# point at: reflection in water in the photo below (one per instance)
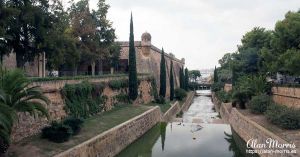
(163, 127)
(212, 140)
(189, 139)
(232, 145)
(237, 144)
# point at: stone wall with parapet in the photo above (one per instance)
(113, 141)
(287, 96)
(28, 125)
(248, 129)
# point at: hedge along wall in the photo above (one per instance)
(28, 126)
(288, 96)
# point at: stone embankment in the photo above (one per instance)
(176, 108)
(113, 141)
(248, 129)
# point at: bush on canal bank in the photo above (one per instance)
(59, 132)
(285, 117)
(180, 94)
(224, 96)
(260, 103)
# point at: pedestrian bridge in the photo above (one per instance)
(203, 93)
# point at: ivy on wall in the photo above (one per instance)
(82, 100)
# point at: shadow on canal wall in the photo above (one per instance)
(248, 129)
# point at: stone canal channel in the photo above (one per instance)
(200, 132)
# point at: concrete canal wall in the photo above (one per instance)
(113, 141)
(248, 129)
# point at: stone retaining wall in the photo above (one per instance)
(188, 101)
(287, 96)
(113, 141)
(172, 111)
(28, 126)
(248, 129)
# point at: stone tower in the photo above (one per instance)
(146, 44)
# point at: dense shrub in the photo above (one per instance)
(3, 146)
(118, 84)
(57, 132)
(161, 100)
(260, 103)
(74, 123)
(180, 94)
(287, 118)
(240, 97)
(223, 96)
(123, 98)
(80, 101)
(217, 86)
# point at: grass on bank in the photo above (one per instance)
(92, 126)
(163, 107)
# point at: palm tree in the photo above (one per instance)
(17, 95)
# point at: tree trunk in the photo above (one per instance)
(20, 61)
(93, 68)
(112, 69)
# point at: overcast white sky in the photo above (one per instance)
(201, 31)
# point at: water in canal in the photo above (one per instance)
(189, 138)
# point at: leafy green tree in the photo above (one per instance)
(114, 55)
(16, 95)
(171, 82)
(194, 74)
(94, 31)
(285, 44)
(26, 26)
(163, 76)
(60, 44)
(133, 86)
(186, 79)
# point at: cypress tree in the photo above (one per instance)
(133, 83)
(171, 82)
(186, 79)
(162, 89)
(215, 75)
(181, 77)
